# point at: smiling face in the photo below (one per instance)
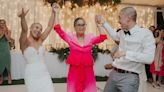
(80, 26)
(36, 30)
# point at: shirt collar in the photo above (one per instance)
(133, 29)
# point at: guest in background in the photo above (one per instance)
(152, 28)
(81, 75)
(157, 67)
(5, 58)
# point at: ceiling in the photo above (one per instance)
(145, 2)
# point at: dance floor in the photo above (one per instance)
(61, 87)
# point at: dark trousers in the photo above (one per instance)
(148, 73)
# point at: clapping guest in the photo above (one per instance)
(5, 58)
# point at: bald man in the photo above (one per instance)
(136, 48)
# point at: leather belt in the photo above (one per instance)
(123, 71)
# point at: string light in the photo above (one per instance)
(41, 13)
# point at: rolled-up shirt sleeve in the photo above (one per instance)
(114, 35)
(147, 54)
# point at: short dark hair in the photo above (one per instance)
(152, 26)
(79, 18)
(3, 20)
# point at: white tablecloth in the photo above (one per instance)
(56, 68)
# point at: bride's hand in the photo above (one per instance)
(56, 8)
(23, 13)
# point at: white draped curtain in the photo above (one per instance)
(41, 13)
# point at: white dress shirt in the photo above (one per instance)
(139, 47)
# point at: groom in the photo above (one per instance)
(136, 48)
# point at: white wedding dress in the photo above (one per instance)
(37, 77)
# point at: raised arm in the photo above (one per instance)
(102, 23)
(61, 33)
(54, 14)
(102, 36)
(23, 36)
(99, 25)
(99, 39)
(58, 28)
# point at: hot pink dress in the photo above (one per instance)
(81, 75)
(160, 71)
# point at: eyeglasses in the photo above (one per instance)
(82, 25)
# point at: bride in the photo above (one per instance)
(37, 78)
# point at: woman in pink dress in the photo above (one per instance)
(157, 67)
(81, 75)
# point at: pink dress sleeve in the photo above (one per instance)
(99, 39)
(61, 33)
